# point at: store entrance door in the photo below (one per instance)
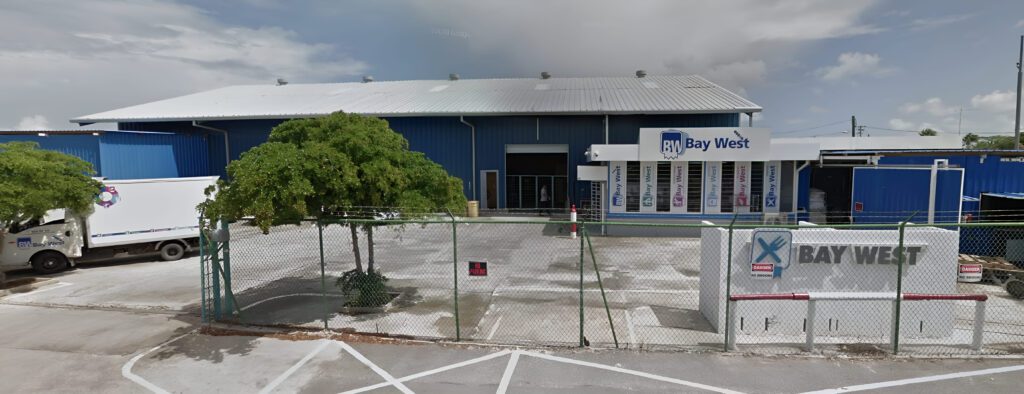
(536, 180)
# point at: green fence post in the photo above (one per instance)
(581, 293)
(203, 313)
(323, 276)
(215, 269)
(728, 281)
(455, 274)
(597, 271)
(899, 293)
(226, 263)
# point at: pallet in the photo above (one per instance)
(999, 271)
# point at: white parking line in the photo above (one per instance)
(281, 378)
(288, 295)
(494, 328)
(629, 325)
(384, 374)
(43, 290)
(432, 371)
(126, 369)
(631, 372)
(509, 370)
(935, 378)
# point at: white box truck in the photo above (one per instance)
(130, 217)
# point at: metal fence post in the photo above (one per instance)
(323, 274)
(597, 271)
(899, 292)
(203, 312)
(581, 293)
(728, 279)
(455, 274)
(215, 269)
(226, 262)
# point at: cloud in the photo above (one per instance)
(62, 65)
(818, 110)
(854, 64)
(932, 106)
(931, 23)
(997, 101)
(34, 122)
(734, 42)
(1020, 23)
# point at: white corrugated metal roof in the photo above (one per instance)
(607, 95)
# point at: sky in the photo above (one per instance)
(898, 66)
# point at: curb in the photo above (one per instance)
(27, 287)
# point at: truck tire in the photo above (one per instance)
(49, 262)
(171, 251)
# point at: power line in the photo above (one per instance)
(887, 129)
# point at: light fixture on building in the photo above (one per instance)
(641, 73)
(453, 77)
(281, 82)
(545, 75)
(367, 78)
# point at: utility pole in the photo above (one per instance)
(853, 126)
(1016, 119)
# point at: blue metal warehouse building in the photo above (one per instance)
(513, 141)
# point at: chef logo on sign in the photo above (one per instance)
(770, 252)
(673, 143)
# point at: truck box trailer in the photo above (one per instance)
(130, 217)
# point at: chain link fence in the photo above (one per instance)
(697, 287)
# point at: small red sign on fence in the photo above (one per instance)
(858, 206)
(477, 268)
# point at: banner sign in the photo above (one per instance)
(648, 185)
(772, 183)
(617, 186)
(770, 252)
(705, 143)
(679, 174)
(713, 184)
(741, 187)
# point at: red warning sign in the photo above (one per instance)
(477, 268)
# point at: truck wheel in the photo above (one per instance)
(49, 262)
(1015, 287)
(171, 251)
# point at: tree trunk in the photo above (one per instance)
(369, 249)
(355, 246)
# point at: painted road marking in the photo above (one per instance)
(126, 369)
(926, 379)
(631, 372)
(281, 378)
(43, 290)
(632, 331)
(384, 374)
(494, 328)
(509, 370)
(432, 371)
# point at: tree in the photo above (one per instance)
(970, 140)
(33, 181)
(340, 165)
(928, 133)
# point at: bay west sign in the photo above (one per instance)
(705, 144)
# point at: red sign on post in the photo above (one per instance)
(477, 268)
(858, 206)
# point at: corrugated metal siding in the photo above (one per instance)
(625, 129)
(991, 176)
(85, 147)
(445, 140)
(139, 156)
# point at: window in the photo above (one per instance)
(694, 184)
(756, 186)
(633, 186)
(664, 177)
(728, 180)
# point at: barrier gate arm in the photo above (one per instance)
(813, 297)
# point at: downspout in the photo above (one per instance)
(472, 139)
(606, 129)
(227, 146)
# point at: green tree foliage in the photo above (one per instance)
(340, 165)
(997, 142)
(970, 140)
(33, 181)
(928, 133)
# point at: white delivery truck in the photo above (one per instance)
(130, 217)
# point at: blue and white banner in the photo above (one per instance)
(617, 186)
(713, 187)
(648, 186)
(705, 144)
(772, 186)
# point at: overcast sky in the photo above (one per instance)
(900, 65)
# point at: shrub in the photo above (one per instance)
(364, 289)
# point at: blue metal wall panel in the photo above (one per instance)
(85, 147)
(991, 174)
(139, 155)
(446, 141)
(887, 195)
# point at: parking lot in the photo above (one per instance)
(134, 327)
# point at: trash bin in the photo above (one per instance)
(472, 209)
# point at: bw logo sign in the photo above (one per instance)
(673, 143)
(770, 251)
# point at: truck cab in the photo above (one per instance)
(45, 245)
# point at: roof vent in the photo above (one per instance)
(453, 77)
(545, 75)
(367, 78)
(281, 82)
(641, 73)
